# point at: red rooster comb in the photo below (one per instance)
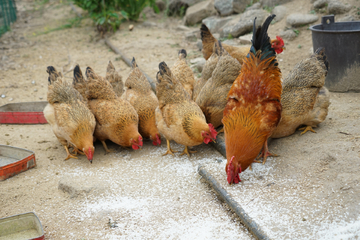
(278, 45)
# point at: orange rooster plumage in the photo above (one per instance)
(253, 109)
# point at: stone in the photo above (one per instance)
(280, 12)
(231, 42)
(199, 44)
(239, 6)
(80, 185)
(182, 28)
(320, 4)
(198, 63)
(335, 7)
(190, 37)
(246, 39)
(216, 35)
(348, 18)
(243, 23)
(273, 3)
(298, 19)
(254, 6)
(224, 7)
(180, 6)
(148, 24)
(199, 11)
(214, 23)
(288, 34)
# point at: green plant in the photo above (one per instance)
(267, 8)
(111, 13)
(296, 32)
(230, 36)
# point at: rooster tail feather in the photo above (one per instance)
(320, 55)
(261, 40)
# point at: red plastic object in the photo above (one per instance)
(26, 226)
(15, 160)
(23, 113)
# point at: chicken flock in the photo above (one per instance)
(241, 92)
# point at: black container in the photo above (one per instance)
(341, 41)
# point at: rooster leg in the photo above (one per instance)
(169, 150)
(187, 151)
(106, 148)
(307, 128)
(265, 153)
(68, 154)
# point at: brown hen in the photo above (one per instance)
(138, 92)
(116, 119)
(179, 118)
(67, 113)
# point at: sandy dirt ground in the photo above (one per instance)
(155, 197)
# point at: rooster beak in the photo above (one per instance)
(91, 161)
(213, 140)
(283, 47)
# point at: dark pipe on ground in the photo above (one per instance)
(245, 219)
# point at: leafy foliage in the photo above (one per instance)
(111, 13)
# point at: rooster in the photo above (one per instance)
(253, 109)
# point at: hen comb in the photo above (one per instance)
(213, 132)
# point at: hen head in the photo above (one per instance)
(136, 144)
(156, 140)
(89, 153)
(278, 44)
(209, 136)
(232, 172)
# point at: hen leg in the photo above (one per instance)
(68, 153)
(307, 128)
(265, 153)
(76, 151)
(106, 148)
(169, 150)
(187, 151)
